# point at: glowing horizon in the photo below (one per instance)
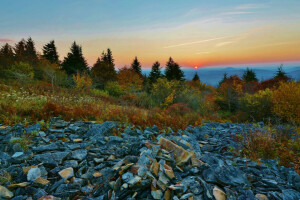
(193, 33)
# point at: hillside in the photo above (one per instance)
(90, 161)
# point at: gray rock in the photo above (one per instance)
(33, 174)
(79, 154)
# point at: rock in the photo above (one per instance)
(5, 193)
(66, 173)
(134, 180)
(290, 194)
(39, 194)
(168, 171)
(219, 194)
(79, 154)
(43, 148)
(40, 182)
(127, 176)
(181, 156)
(22, 185)
(156, 194)
(33, 174)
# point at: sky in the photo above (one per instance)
(193, 32)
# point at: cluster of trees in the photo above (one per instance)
(23, 60)
(248, 99)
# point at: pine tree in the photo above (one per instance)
(30, 52)
(74, 62)
(173, 71)
(104, 70)
(196, 77)
(20, 51)
(249, 75)
(109, 56)
(155, 72)
(136, 66)
(280, 73)
(50, 52)
(6, 55)
(223, 80)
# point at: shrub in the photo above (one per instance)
(114, 89)
(257, 106)
(21, 71)
(179, 108)
(129, 80)
(164, 92)
(82, 81)
(229, 92)
(100, 93)
(286, 101)
(192, 98)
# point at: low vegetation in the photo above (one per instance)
(37, 87)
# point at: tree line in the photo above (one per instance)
(23, 60)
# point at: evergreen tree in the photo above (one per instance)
(109, 56)
(249, 75)
(173, 71)
(223, 80)
(196, 77)
(30, 52)
(50, 52)
(136, 66)
(74, 61)
(104, 70)
(20, 51)
(155, 72)
(6, 56)
(280, 73)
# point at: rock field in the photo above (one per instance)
(85, 160)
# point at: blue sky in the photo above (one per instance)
(204, 33)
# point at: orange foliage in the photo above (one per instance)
(129, 80)
(286, 100)
(271, 83)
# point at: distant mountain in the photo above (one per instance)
(212, 76)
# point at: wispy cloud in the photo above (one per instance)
(203, 52)
(237, 13)
(195, 42)
(5, 40)
(250, 6)
(224, 43)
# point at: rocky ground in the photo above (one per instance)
(84, 160)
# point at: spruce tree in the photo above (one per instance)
(280, 73)
(20, 51)
(30, 52)
(196, 77)
(104, 70)
(74, 61)
(6, 56)
(223, 79)
(136, 66)
(173, 71)
(50, 52)
(109, 56)
(155, 72)
(249, 75)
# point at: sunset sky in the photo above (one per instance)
(201, 32)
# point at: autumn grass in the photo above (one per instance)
(279, 143)
(40, 101)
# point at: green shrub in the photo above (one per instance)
(164, 92)
(114, 89)
(21, 141)
(21, 71)
(257, 106)
(101, 93)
